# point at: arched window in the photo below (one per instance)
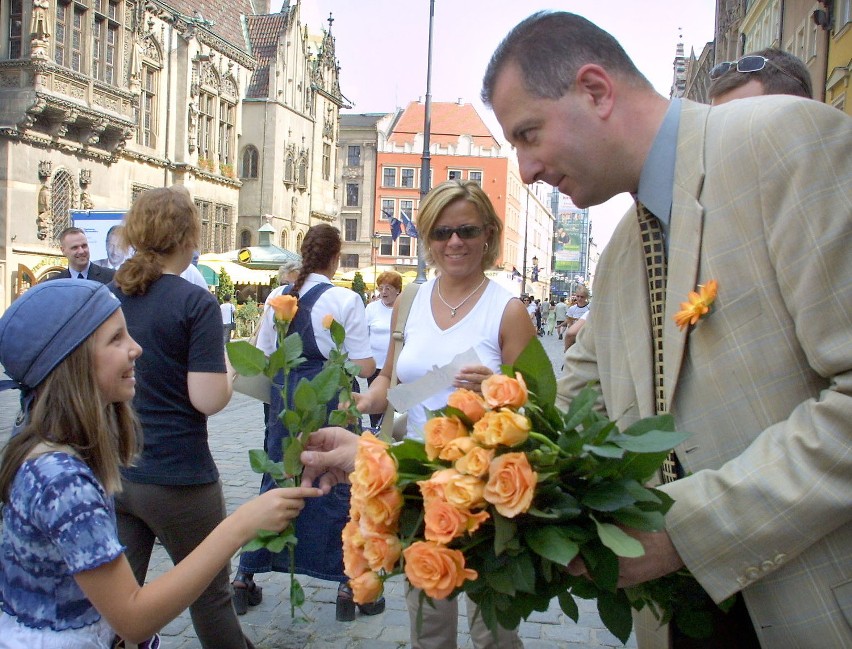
(250, 162)
(284, 238)
(303, 171)
(245, 239)
(299, 242)
(289, 169)
(62, 195)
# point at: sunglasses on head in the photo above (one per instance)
(444, 233)
(751, 63)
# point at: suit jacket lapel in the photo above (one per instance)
(684, 236)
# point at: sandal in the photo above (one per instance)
(345, 605)
(246, 593)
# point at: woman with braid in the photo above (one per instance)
(319, 552)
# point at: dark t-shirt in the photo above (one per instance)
(179, 327)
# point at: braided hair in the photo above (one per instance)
(321, 244)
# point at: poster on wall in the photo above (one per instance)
(568, 242)
(102, 228)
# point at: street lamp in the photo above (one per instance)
(375, 241)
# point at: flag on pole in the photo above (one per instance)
(515, 273)
(395, 225)
(410, 228)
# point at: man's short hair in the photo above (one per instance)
(550, 47)
(67, 231)
(783, 74)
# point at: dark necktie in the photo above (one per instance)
(655, 264)
(80, 276)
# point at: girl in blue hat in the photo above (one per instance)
(64, 579)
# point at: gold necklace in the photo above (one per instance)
(452, 308)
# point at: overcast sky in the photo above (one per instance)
(382, 47)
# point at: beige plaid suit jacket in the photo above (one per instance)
(763, 204)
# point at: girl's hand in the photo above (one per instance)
(471, 377)
(273, 510)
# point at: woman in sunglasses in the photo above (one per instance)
(458, 310)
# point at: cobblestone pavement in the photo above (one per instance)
(238, 428)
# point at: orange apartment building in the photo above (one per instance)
(461, 146)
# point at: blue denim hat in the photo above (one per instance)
(48, 322)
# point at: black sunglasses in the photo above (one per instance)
(751, 63)
(464, 231)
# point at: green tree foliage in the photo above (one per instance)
(359, 286)
(226, 286)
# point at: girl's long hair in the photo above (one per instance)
(160, 221)
(68, 409)
(321, 244)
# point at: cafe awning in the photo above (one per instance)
(238, 274)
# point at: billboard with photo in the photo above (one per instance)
(569, 231)
(101, 228)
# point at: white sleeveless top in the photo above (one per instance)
(427, 346)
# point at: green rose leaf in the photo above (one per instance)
(338, 333)
(551, 543)
(297, 593)
(618, 540)
(652, 441)
(657, 422)
(648, 521)
(326, 383)
(292, 450)
(305, 397)
(505, 529)
(569, 606)
(247, 359)
(607, 497)
(614, 609)
(537, 370)
(292, 347)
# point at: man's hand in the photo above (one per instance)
(329, 456)
(660, 558)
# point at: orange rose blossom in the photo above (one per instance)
(284, 307)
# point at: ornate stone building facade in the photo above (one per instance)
(102, 99)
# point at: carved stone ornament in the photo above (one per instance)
(44, 218)
(45, 168)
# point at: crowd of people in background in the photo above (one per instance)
(771, 378)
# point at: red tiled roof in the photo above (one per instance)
(264, 32)
(225, 13)
(448, 121)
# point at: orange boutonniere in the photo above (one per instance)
(698, 306)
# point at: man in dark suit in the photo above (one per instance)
(75, 247)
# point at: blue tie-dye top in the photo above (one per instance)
(59, 521)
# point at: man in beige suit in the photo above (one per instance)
(757, 195)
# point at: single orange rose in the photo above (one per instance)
(284, 306)
(470, 403)
(435, 569)
(434, 486)
(375, 469)
(475, 462)
(500, 391)
(354, 561)
(444, 522)
(366, 588)
(381, 512)
(327, 319)
(501, 428)
(382, 551)
(511, 484)
(438, 431)
(456, 448)
(465, 492)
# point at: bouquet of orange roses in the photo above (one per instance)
(504, 492)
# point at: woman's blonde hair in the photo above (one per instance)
(160, 222)
(441, 196)
(68, 409)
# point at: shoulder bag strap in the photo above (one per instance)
(398, 338)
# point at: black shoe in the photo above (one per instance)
(560, 336)
(345, 605)
(246, 593)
